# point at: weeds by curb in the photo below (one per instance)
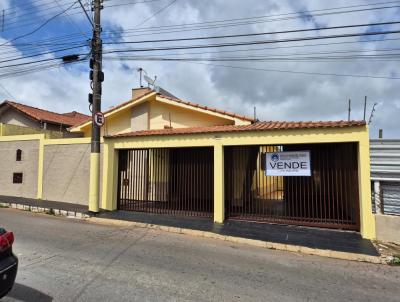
(394, 260)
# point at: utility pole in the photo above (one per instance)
(97, 77)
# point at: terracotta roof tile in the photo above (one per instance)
(67, 119)
(259, 126)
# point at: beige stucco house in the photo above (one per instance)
(151, 110)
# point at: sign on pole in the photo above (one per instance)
(99, 119)
(291, 163)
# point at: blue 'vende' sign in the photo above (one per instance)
(291, 163)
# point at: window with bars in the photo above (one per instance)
(17, 178)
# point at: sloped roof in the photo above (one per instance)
(258, 126)
(173, 99)
(180, 101)
(41, 115)
(89, 119)
(76, 114)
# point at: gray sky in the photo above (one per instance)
(277, 95)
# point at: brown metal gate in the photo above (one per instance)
(327, 198)
(175, 181)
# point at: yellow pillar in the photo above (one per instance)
(110, 177)
(94, 185)
(39, 193)
(367, 219)
(219, 190)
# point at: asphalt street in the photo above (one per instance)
(64, 259)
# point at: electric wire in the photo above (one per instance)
(256, 34)
(86, 13)
(230, 44)
(199, 46)
(7, 92)
(156, 13)
(217, 24)
(298, 71)
(128, 3)
(39, 27)
(37, 69)
(279, 47)
(126, 31)
(72, 22)
(296, 15)
(22, 68)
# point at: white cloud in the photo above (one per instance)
(5, 4)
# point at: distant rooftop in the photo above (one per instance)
(42, 115)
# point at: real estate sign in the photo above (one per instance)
(293, 163)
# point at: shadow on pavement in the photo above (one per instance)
(22, 292)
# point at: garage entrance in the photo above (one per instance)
(174, 181)
(328, 198)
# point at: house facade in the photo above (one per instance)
(167, 156)
(151, 110)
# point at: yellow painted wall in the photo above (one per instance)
(241, 122)
(367, 218)
(87, 131)
(357, 134)
(181, 117)
(219, 188)
(9, 130)
(110, 177)
(118, 123)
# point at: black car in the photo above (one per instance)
(8, 262)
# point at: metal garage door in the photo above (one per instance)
(328, 198)
(174, 181)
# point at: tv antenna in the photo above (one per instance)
(150, 81)
(140, 70)
(143, 75)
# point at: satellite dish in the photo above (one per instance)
(149, 80)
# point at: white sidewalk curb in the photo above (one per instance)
(51, 211)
